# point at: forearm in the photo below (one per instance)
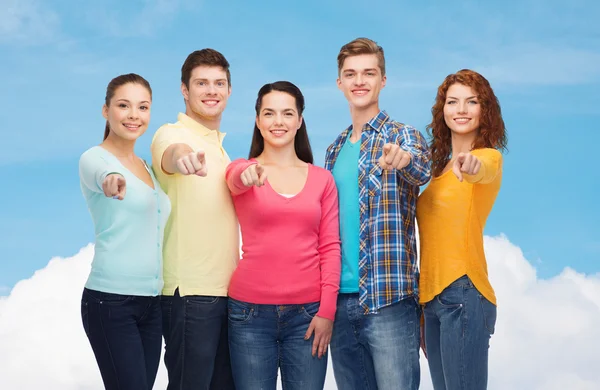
(233, 176)
(418, 170)
(171, 155)
(330, 280)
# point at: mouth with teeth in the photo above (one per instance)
(210, 102)
(131, 127)
(462, 121)
(360, 92)
(278, 132)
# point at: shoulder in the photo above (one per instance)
(395, 127)
(322, 174)
(339, 139)
(169, 131)
(93, 154)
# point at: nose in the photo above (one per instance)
(133, 113)
(462, 107)
(211, 89)
(358, 80)
(278, 119)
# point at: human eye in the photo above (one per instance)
(473, 102)
(122, 105)
(348, 75)
(267, 114)
(221, 84)
(451, 102)
(144, 108)
(371, 74)
(289, 114)
(200, 83)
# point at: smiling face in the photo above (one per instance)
(128, 112)
(278, 119)
(207, 94)
(361, 81)
(462, 110)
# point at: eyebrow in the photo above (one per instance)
(284, 110)
(125, 100)
(455, 98)
(364, 70)
(205, 79)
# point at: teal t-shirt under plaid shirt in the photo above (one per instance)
(345, 174)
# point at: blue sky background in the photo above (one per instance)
(541, 57)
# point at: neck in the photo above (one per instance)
(361, 116)
(282, 157)
(118, 146)
(462, 143)
(209, 123)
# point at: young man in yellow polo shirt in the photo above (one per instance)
(201, 238)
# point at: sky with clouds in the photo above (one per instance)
(540, 56)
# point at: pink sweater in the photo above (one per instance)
(291, 246)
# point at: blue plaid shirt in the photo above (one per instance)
(387, 201)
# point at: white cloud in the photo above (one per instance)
(545, 334)
(27, 22)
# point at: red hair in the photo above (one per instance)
(491, 134)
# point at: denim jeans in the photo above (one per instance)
(125, 335)
(376, 351)
(458, 325)
(196, 349)
(264, 338)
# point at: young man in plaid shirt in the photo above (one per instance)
(378, 165)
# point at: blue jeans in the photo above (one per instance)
(458, 325)
(263, 338)
(376, 351)
(196, 350)
(124, 332)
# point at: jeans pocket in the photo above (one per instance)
(489, 314)
(451, 297)
(107, 299)
(310, 310)
(239, 312)
(201, 299)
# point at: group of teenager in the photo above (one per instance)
(328, 256)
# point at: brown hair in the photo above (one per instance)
(118, 82)
(491, 134)
(204, 57)
(361, 46)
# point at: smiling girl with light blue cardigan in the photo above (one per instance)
(120, 306)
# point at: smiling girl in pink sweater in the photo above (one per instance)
(283, 293)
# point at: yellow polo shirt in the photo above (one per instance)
(201, 246)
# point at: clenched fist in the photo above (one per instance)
(254, 175)
(193, 163)
(393, 157)
(114, 186)
(465, 163)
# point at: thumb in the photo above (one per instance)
(259, 169)
(310, 330)
(200, 155)
(387, 148)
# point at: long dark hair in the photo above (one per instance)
(301, 142)
(492, 132)
(118, 82)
